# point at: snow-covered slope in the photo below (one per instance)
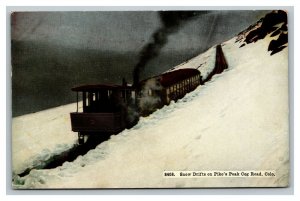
(236, 121)
(204, 62)
(38, 136)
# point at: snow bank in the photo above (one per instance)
(38, 136)
(205, 62)
(236, 121)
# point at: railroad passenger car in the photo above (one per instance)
(168, 86)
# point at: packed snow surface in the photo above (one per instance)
(236, 121)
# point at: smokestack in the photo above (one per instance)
(171, 23)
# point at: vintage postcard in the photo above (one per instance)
(150, 99)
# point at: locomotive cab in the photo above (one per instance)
(104, 109)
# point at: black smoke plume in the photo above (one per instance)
(171, 23)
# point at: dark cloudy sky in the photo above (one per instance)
(113, 31)
(125, 31)
(53, 51)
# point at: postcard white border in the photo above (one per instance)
(84, 5)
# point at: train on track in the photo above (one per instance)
(109, 109)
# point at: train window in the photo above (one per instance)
(123, 95)
(84, 99)
(187, 84)
(181, 87)
(133, 95)
(88, 99)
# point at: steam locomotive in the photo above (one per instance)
(109, 109)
